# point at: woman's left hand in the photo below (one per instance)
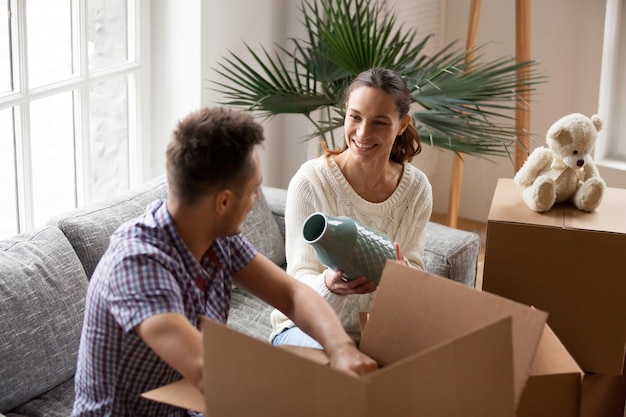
(399, 256)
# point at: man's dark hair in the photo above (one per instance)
(211, 149)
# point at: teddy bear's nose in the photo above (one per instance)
(580, 162)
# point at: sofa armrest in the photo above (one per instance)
(451, 253)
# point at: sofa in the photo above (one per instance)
(44, 276)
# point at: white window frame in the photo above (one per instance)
(138, 104)
(611, 145)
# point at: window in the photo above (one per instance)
(69, 71)
(611, 145)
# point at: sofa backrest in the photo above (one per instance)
(89, 229)
(42, 297)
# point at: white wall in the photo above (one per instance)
(567, 37)
(175, 71)
(566, 40)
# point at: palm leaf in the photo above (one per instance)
(465, 104)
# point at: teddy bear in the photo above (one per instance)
(564, 170)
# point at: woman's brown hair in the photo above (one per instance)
(407, 144)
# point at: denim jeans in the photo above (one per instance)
(295, 336)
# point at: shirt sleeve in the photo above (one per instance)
(142, 287)
(241, 252)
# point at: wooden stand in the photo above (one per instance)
(522, 112)
(457, 164)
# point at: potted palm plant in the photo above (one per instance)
(462, 110)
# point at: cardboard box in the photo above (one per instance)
(554, 386)
(445, 350)
(603, 396)
(569, 263)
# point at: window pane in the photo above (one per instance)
(619, 138)
(107, 33)
(109, 133)
(8, 207)
(52, 148)
(5, 50)
(49, 26)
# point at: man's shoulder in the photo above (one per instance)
(148, 226)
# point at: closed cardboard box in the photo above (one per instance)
(444, 350)
(569, 263)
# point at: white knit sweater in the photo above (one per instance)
(319, 185)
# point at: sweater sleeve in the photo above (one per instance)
(306, 195)
(410, 234)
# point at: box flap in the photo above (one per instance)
(552, 357)
(276, 382)
(180, 394)
(312, 354)
(414, 311)
(471, 375)
(554, 386)
(553, 395)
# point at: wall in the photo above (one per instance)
(176, 76)
(567, 38)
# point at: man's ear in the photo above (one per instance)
(223, 201)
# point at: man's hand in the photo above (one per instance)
(349, 359)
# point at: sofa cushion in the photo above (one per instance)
(42, 297)
(89, 229)
(58, 402)
(250, 315)
(261, 229)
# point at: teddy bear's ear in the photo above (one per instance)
(562, 136)
(597, 122)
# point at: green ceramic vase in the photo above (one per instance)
(343, 244)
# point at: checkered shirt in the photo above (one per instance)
(147, 270)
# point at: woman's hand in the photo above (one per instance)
(336, 284)
(399, 256)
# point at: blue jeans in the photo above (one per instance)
(295, 336)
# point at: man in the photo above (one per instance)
(174, 264)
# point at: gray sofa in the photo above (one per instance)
(44, 276)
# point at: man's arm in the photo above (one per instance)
(177, 342)
(307, 309)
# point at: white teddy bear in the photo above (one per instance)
(564, 171)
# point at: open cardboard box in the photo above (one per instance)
(569, 263)
(444, 350)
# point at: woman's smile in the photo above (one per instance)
(363, 146)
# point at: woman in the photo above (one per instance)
(372, 181)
